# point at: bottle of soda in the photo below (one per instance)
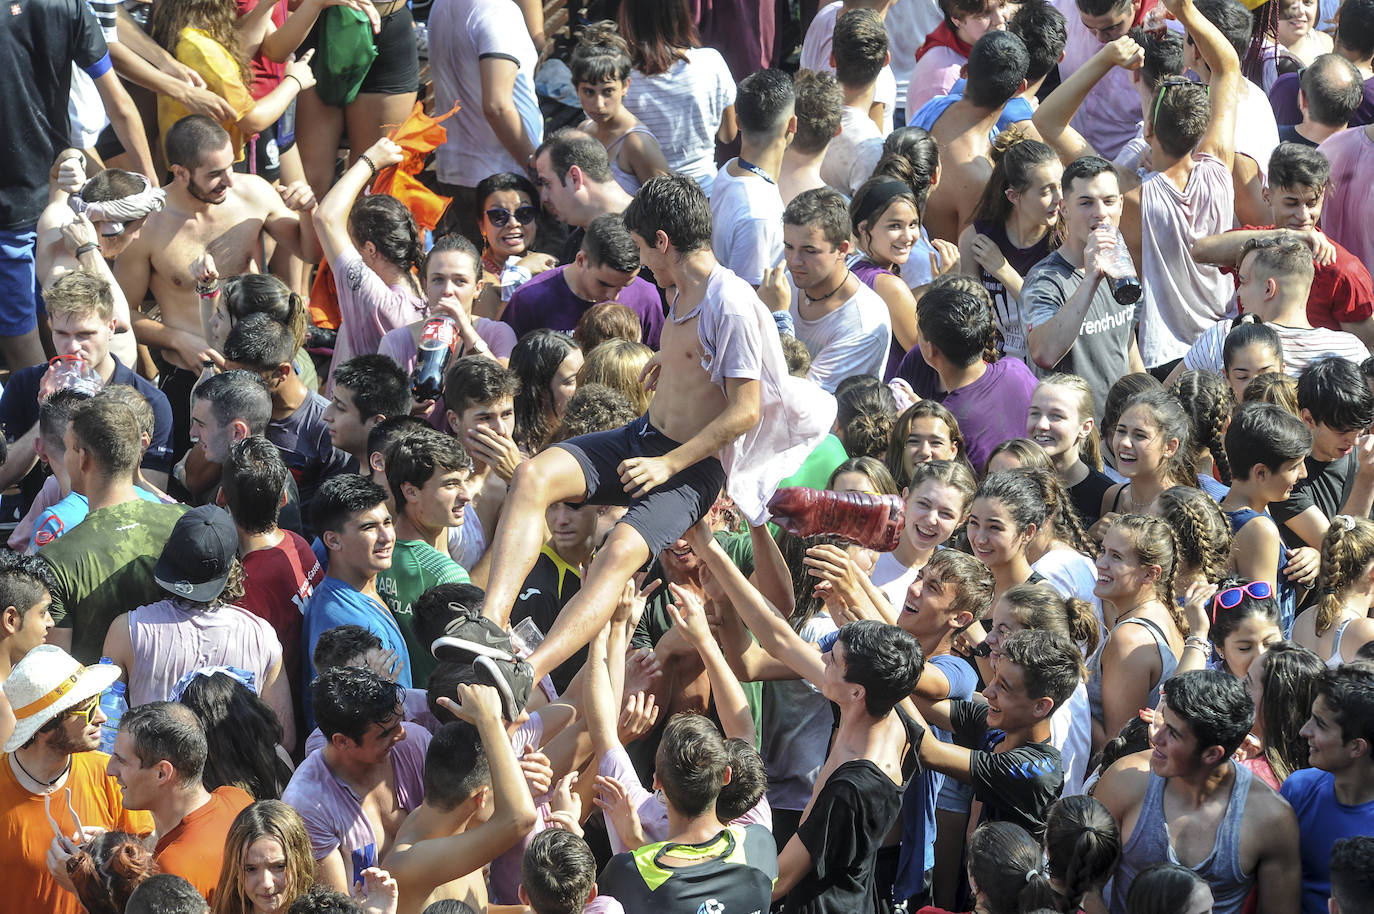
(438, 339)
(1121, 275)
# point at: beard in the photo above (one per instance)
(63, 740)
(203, 195)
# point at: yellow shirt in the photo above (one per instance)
(216, 66)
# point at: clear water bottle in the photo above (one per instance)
(113, 704)
(1121, 274)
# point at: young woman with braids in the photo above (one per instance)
(1040, 607)
(1082, 849)
(1151, 443)
(1204, 541)
(1135, 581)
(1060, 420)
(1004, 872)
(1013, 228)
(1338, 626)
(1209, 402)
(1282, 684)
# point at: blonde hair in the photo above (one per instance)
(264, 819)
(1090, 448)
(617, 364)
(1347, 549)
(1276, 388)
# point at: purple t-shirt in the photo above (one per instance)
(990, 410)
(307, 447)
(548, 301)
(1283, 96)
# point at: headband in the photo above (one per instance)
(117, 213)
(879, 195)
(244, 677)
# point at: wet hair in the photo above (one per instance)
(253, 481)
(691, 763)
(910, 154)
(1332, 88)
(338, 645)
(748, 780)
(237, 396)
(609, 320)
(871, 202)
(1274, 388)
(54, 414)
(901, 430)
(107, 868)
(956, 319)
(1179, 116)
(1019, 494)
(260, 343)
(1090, 448)
(1154, 543)
(600, 56)
(322, 900)
(24, 581)
(1164, 888)
(1352, 859)
(1085, 168)
(1170, 420)
(997, 65)
(535, 360)
(388, 224)
(1133, 737)
(873, 469)
(1295, 165)
(1044, 31)
(569, 147)
(1288, 678)
(558, 872)
(111, 184)
(1209, 401)
(1226, 621)
(108, 432)
(504, 180)
(594, 408)
(376, 384)
(341, 498)
(454, 243)
(673, 204)
(1267, 435)
(384, 434)
(195, 136)
(1201, 530)
(607, 244)
(764, 102)
(1042, 608)
(822, 208)
(1122, 390)
(657, 32)
(1234, 22)
(1060, 513)
(819, 104)
(164, 731)
(1082, 847)
(1347, 549)
(1249, 330)
(1050, 662)
(617, 364)
(1214, 705)
(264, 819)
(866, 410)
(241, 736)
(456, 766)
(417, 457)
(166, 893)
(860, 47)
(972, 581)
(350, 699)
(1348, 692)
(882, 658)
(80, 293)
(1004, 862)
(475, 380)
(1163, 55)
(1336, 394)
(1015, 157)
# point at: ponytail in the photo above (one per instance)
(1347, 549)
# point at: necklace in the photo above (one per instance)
(46, 785)
(754, 169)
(820, 298)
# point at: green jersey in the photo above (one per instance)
(416, 566)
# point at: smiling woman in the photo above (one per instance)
(267, 861)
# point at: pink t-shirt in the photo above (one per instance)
(170, 641)
(936, 73)
(1350, 196)
(368, 308)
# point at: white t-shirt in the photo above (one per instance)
(683, 109)
(1071, 732)
(1301, 347)
(851, 157)
(1182, 297)
(853, 339)
(815, 55)
(908, 23)
(893, 579)
(1257, 133)
(461, 33)
(746, 223)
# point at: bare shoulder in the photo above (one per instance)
(1267, 812)
(257, 193)
(1122, 787)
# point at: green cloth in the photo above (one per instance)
(415, 567)
(104, 567)
(343, 56)
(814, 473)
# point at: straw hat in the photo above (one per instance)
(48, 682)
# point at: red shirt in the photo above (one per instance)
(1342, 292)
(277, 583)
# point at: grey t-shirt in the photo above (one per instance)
(1101, 354)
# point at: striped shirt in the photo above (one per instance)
(1301, 347)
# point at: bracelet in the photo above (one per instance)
(88, 246)
(300, 87)
(210, 291)
(364, 158)
(1197, 643)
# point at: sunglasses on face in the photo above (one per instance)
(523, 215)
(87, 710)
(1230, 597)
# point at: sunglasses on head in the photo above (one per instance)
(523, 215)
(87, 710)
(1230, 597)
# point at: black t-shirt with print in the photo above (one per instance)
(1015, 786)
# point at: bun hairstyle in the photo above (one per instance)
(1014, 156)
(1347, 550)
(600, 56)
(1042, 608)
(106, 870)
(866, 411)
(911, 155)
(1202, 532)
(1209, 401)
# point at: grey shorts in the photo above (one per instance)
(662, 516)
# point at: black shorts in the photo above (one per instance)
(396, 70)
(662, 516)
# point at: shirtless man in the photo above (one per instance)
(209, 210)
(1221, 820)
(470, 768)
(722, 389)
(996, 74)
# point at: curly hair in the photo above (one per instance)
(216, 18)
(1209, 401)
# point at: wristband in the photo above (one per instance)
(1197, 643)
(364, 158)
(88, 246)
(210, 291)
(300, 87)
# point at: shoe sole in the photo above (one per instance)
(474, 648)
(498, 681)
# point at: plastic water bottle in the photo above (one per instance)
(113, 704)
(1121, 274)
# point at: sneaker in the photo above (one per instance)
(512, 679)
(466, 638)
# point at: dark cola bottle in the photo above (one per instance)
(438, 340)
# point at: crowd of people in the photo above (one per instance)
(868, 456)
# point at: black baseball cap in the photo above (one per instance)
(196, 561)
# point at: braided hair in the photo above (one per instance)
(1209, 401)
(1082, 846)
(1202, 531)
(1155, 544)
(1347, 550)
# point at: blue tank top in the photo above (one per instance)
(1288, 594)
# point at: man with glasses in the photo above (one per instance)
(356, 791)
(52, 754)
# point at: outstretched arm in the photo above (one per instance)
(1053, 117)
(1225, 87)
(689, 615)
